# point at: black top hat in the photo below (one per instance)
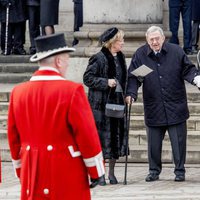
(108, 34)
(50, 45)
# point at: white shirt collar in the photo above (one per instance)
(47, 77)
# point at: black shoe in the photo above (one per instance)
(32, 51)
(152, 177)
(188, 51)
(19, 51)
(75, 42)
(179, 178)
(113, 180)
(102, 181)
(6, 53)
(194, 50)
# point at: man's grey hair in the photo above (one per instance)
(153, 29)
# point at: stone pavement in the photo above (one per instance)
(136, 189)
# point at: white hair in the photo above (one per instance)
(48, 60)
(153, 29)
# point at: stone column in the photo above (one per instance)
(132, 16)
(124, 12)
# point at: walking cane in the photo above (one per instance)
(128, 117)
(6, 35)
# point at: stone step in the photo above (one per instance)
(138, 153)
(10, 65)
(3, 135)
(3, 122)
(15, 59)
(18, 68)
(4, 108)
(138, 109)
(14, 77)
(193, 94)
(137, 123)
(139, 137)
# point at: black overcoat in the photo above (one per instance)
(49, 12)
(164, 92)
(196, 10)
(101, 67)
(17, 12)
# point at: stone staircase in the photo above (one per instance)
(16, 69)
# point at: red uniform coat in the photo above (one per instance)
(53, 139)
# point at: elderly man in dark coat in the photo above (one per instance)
(164, 97)
(195, 24)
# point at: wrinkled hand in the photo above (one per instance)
(197, 81)
(129, 100)
(112, 83)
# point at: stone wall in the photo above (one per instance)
(120, 12)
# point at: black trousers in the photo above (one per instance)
(78, 16)
(15, 35)
(177, 134)
(34, 23)
(195, 33)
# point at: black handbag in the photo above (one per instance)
(115, 110)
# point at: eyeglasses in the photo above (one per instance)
(155, 39)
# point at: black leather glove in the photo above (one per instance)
(94, 182)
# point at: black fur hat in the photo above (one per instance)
(108, 34)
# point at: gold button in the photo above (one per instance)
(46, 191)
(27, 191)
(28, 148)
(49, 147)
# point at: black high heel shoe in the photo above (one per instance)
(113, 180)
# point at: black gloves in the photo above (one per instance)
(7, 2)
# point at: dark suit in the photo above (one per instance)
(34, 20)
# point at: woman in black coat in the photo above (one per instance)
(100, 76)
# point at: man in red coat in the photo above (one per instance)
(51, 131)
